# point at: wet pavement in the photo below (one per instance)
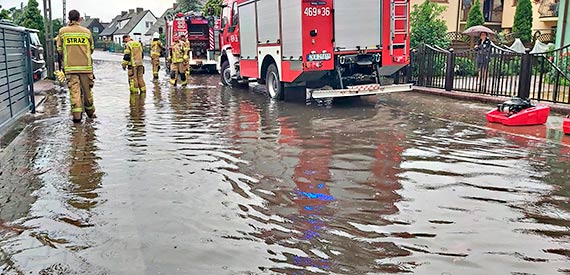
(209, 180)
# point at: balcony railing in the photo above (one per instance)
(549, 8)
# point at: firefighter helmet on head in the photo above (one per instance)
(155, 35)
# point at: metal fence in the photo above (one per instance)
(497, 71)
(16, 81)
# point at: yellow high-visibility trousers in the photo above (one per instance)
(155, 65)
(136, 79)
(80, 94)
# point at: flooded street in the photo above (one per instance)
(212, 180)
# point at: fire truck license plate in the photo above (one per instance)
(319, 56)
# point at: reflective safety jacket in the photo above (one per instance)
(75, 44)
(186, 45)
(133, 54)
(155, 48)
(177, 53)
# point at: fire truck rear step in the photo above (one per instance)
(360, 90)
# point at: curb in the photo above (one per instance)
(563, 109)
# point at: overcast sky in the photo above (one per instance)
(103, 9)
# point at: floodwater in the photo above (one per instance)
(209, 180)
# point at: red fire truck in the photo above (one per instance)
(328, 48)
(201, 33)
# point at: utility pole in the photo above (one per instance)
(50, 52)
(64, 12)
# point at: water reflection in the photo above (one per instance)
(84, 171)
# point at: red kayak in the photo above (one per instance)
(530, 116)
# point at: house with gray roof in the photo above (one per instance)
(160, 25)
(136, 23)
(93, 25)
(107, 33)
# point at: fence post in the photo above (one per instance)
(410, 69)
(449, 70)
(525, 76)
(30, 68)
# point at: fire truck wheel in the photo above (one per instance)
(274, 84)
(226, 75)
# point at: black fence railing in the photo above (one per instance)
(497, 71)
(550, 77)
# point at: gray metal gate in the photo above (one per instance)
(16, 80)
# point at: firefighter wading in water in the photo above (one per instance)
(186, 48)
(155, 50)
(75, 45)
(133, 60)
(178, 58)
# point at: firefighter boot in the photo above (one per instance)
(76, 117)
(183, 79)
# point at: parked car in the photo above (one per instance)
(37, 54)
(39, 70)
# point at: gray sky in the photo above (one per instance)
(103, 9)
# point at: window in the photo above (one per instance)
(160, 30)
(149, 24)
(96, 29)
(235, 15)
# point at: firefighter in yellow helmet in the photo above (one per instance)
(133, 61)
(155, 50)
(75, 45)
(186, 47)
(178, 62)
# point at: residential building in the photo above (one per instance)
(107, 34)
(135, 24)
(498, 14)
(544, 16)
(93, 25)
(160, 25)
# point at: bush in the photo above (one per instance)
(523, 21)
(464, 66)
(428, 26)
(475, 16)
(505, 67)
(563, 63)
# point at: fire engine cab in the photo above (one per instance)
(328, 48)
(201, 32)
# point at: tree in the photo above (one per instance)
(16, 15)
(523, 21)
(4, 14)
(33, 19)
(475, 16)
(427, 25)
(56, 25)
(215, 4)
(189, 5)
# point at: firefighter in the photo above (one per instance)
(186, 48)
(155, 50)
(178, 59)
(133, 60)
(75, 46)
